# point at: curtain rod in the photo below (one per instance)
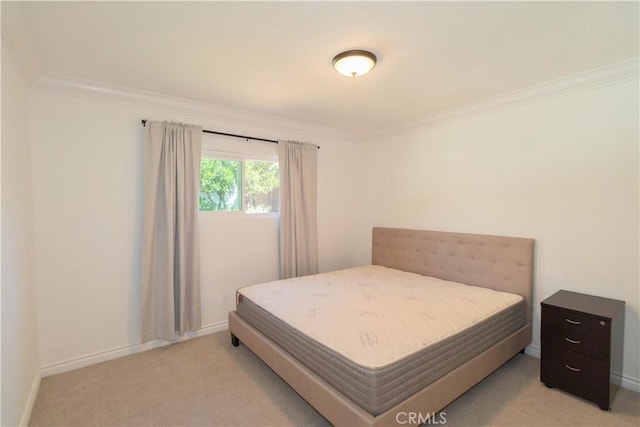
(230, 134)
(144, 121)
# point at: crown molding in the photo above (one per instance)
(603, 76)
(591, 79)
(165, 103)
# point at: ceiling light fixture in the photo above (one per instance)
(354, 63)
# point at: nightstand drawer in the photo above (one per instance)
(574, 372)
(569, 322)
(575, 341)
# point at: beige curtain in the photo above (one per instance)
(298, 216)
(170, 252)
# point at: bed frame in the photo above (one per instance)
(496, 262)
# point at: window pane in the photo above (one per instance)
(220, 185)
(263, 186)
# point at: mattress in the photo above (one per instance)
(376, 334)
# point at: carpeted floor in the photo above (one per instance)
(207, 382)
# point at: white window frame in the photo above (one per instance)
(243, 158)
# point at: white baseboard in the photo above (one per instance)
(627, 382)
(103, 356)
(31, 399)
(533, 350)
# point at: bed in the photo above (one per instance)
(353, 383)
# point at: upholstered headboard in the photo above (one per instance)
(496, 262)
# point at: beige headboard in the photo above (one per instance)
(496, 262)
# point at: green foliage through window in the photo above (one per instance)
(220, 185)
(263, 183)
(222, 189)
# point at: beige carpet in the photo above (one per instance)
(207, 382)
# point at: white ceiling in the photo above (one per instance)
(275, 58)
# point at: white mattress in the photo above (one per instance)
(375, 316)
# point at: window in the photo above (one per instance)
(241, 185)
(262, 183)
(220, 184)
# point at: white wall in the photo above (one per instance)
(563, 171)
(237, 249)
(87, 187)
(20, 363)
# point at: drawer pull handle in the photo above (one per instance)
(572, 341)
(573, 322)
(572, 368)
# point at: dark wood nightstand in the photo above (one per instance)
(582, 337)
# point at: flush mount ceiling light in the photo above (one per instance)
(354, 63)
